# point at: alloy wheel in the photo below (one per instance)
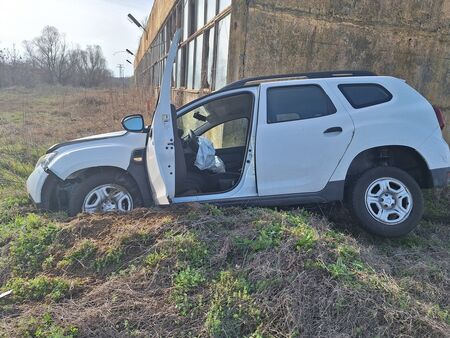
(108, 198)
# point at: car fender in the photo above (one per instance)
(105, 152)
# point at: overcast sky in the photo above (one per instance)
(101, 22)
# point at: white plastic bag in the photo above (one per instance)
(206, 157)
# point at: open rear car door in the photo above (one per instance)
(161, 146)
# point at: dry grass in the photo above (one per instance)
(200, 270)
(48, 115)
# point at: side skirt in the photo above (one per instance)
(333, 191)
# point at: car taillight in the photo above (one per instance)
(440, 117)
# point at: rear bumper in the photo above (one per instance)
(441, 177)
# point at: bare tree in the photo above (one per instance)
(48, 59)
(93, 66)
(13, 68)
(50, 54)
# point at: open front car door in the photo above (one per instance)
(161, 145)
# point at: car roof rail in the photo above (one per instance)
(254, 81)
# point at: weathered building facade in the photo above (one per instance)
(224, 40)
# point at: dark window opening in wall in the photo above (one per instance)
(183, 67)
(192, 18)
(202, 61)
(179, 15)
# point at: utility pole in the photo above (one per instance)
(121, 75)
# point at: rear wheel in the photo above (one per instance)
(387, 201)
(108, 191)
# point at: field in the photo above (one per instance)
(199, 270)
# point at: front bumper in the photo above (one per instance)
(35, 184)
(441, 177)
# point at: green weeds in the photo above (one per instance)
(189, 248)
(45, 327)
(232, 311)
(38, 288)
(268, 236)
(185, 282)
(29, 245)
(112, 257)
(154, 259)
(347, 264)
(82, 257)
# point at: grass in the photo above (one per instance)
(45, 327)
(199, 270)
(38, 289)
(232, 310)
(29, 239)
(184, 282)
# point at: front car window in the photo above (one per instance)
(218, 118)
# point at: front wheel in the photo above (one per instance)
(104, 192)
(387, 201)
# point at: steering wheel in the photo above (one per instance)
(192, 141)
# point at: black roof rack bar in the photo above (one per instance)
(315, 75)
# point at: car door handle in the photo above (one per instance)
(333, 130)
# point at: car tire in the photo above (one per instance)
(387, 201)
(87, 186)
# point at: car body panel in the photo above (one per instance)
(87, 139)
(298, 156)
(408, 120)
(160, 147)
(96, 152)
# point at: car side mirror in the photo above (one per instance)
(134, 123)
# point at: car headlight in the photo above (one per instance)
(45, 160)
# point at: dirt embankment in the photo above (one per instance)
(204, 271)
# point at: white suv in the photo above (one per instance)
(371, 141)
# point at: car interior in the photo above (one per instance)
(226, 123)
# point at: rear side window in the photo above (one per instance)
(365, 95)
(297, 103)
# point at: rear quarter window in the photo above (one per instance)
(362, 95)
(297, 103)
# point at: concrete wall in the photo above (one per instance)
(409, 39)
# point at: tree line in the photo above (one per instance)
(48, 59)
